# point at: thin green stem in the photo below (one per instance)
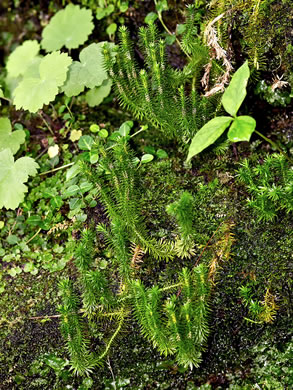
(274, 145)
(139, 131)
(56, 169)
(35, 235)
(108, 346)
(170, 33)
(47, 124)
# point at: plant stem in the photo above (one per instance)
(35, 235)
(56, 169)
(170, 33)
(274, 145)
(46, 123)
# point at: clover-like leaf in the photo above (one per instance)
(33, 92)
(8, 138)
(89, 72)
(236, 90)
(21, 58)
(241, 128)
(95, 96)
(69, 27)
(13, 175)
(208, 134)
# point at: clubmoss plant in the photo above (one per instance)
(165, 97)
(173, 316)
(270, 186)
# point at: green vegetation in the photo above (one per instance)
(124, 266)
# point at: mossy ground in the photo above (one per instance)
(262, 257)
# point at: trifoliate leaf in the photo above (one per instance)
(208, 134)
(236, 91)
(33, 92)
(21, 58)
(13, 175)
(69, 27)
(241, 128)
(89, 72)
(9, 139)
(95, 96)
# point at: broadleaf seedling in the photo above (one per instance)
(241, 127)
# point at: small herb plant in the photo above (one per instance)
(241, 127)
(13, 174)
(35, 80)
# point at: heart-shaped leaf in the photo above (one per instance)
(241, 128)
(236, 91)
(208, 134)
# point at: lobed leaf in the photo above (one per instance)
(89, 72)
(21, 58)
(95, 96)
(8, 139)
(69, 27)
(33, 92)
(13, 175)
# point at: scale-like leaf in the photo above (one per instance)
(8, 139)
(21, 58)
(13, 175)
(33, 92)
(208, 134)
(236, 91)
(95, 96)
(241, 128)
(69, 27)
(89, 72)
